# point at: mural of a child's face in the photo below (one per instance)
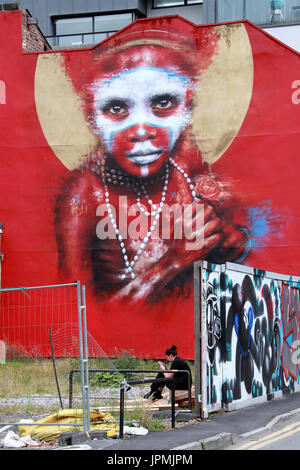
(139, 115)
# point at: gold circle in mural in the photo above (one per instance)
(60, 112)
(221, 102)
(224, 93)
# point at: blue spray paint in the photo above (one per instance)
(263, 221)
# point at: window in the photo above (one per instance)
(73, 25)
(75, 31)
(296, 13)
(173, 3)
(112, 22)
(260, 12)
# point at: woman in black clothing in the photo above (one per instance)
(181, 380)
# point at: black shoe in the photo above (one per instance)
(157, 395)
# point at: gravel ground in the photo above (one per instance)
(98, 397)
(48, 401)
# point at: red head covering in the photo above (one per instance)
(170, 43)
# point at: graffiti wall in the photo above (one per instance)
(124, 163)
(250, 330)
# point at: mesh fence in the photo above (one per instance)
(43, 371)
(29, 317)
(27, 313)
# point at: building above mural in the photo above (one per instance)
(124, 163)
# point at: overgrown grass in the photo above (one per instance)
(27, 376)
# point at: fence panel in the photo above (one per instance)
(38, 323)
(27, 313)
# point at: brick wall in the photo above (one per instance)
(32, 38)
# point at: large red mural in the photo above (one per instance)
(124, 163)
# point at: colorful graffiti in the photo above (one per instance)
(290, 325)
(252, 321)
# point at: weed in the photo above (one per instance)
(156, 424)
(143, 417)
(106, 379)
(124, 360)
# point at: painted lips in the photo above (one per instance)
(144, 158)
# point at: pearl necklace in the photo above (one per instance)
(118, 177)
(186, 177)
(129, 265)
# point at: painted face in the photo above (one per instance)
(139, 115)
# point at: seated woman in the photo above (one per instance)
(181, 379)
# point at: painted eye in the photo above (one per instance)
(117, 109)
(164, 104)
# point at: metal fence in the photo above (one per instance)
(26, 313)
(47, 321)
